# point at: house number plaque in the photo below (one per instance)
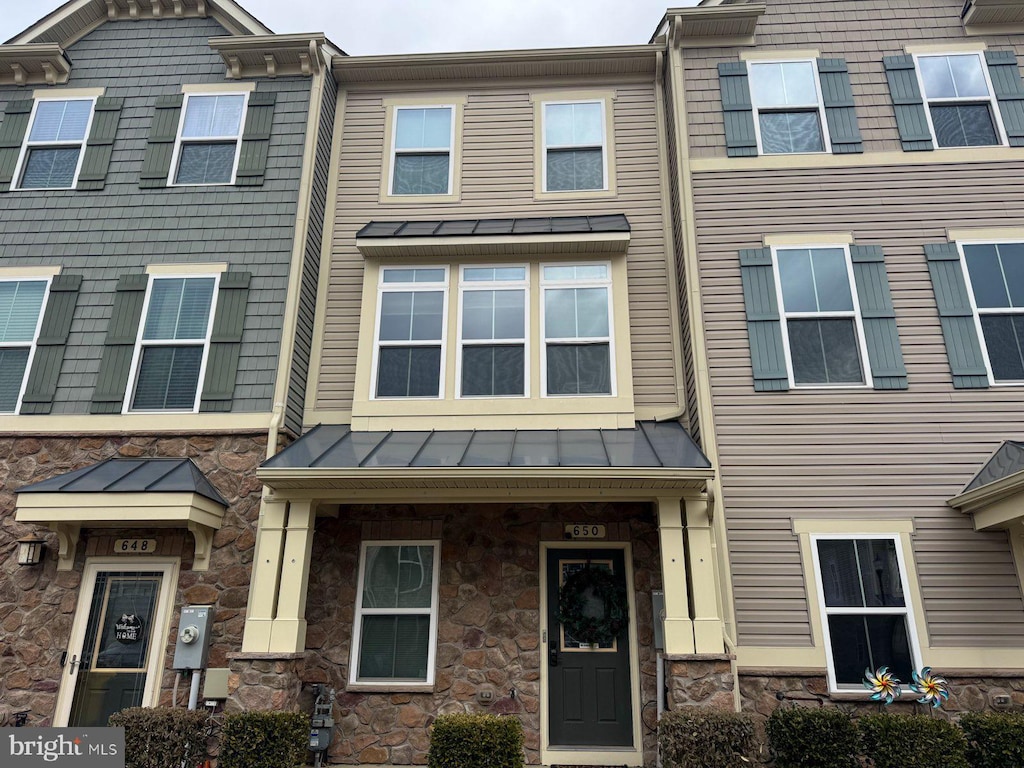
(134, 546)
(584, 531)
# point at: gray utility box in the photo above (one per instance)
(193, 643)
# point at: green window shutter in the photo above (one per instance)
(840, 111)
(159, 151)
(1009, 91)
(879, 317)
(53, 335)
(225, 342)
(100, 143)
(908, 103)
(740, 139)
(122, 331)
(12, 136)
(259, 120)
(767, 355)
(963, 348)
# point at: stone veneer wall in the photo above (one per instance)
(37, 604)
(488, 630)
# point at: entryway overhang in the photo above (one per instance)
(995, 495)
(125, 493)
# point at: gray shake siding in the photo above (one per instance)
(103, 234)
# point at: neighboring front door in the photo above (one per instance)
(589, 690)
(117, 643)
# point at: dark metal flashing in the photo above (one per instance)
(549, 225)
(1007, 460)
(132, 476)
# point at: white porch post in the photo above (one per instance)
(678, 625)
(707, 624)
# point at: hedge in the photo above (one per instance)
(476, 741)
(912, 741)
(994, 739)
(264, 740)
(162, 737)
(702, 738)
(826, 737)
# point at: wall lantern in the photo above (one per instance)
(30, 550)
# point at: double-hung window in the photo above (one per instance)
(173, 344)
(576, 309)
(54, 145)
(822, 328)
(961, 109)
(575, 146)
(789, 113)
(421, 151)
(21, 305)
(410, 331)
(395, 629)
(867, 622)
(209, 139)
(492, 335)
(995, 276)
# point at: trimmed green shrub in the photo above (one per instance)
(264, 740)
(994, 739)
(813, 738)
(912, 741)
(162, 737)
(703, 738)
(475, 741)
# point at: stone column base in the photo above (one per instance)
(700, 680)
(264, 681)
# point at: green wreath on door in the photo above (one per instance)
(577, 592)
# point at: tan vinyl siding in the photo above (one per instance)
(856, 453)
(498, 181)
(861, 31)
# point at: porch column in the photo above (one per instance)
(678, 626)
(288, 633)
(707, 624)
(266, 575)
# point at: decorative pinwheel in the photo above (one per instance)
(931, 688)
(884, 686)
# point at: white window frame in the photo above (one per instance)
(31, 345)
(360, 611)
(141, 344)
(394, 151)
(27, 145)
(818, 107)
(907, 611)
(855, 313)
(546, 147)
(993, 104)
(542, 331)
(978, 312)
(497, 285)
(383, 288)
(179, 139)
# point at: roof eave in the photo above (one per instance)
(977, 499)
(497, 245)
(34, 64)
(718, 25)
(271, 55)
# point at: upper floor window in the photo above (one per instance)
(995, 275)
(410, 331)
(822, 328)
(492, 331)
(577, 329)
(421, 152)
(171, 351)
(789, 113)
(209, 138)
(21, 305)
(575, 149)
(961, 108)
(52, 155)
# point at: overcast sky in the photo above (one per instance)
(367, 27)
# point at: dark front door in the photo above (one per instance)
(588, 688)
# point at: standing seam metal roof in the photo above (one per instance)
(1007, 460)
(548, 225)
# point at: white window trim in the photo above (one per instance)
(826, 139)
(862, 347)
(544, 142)
(497, 285)
(383, 288)
(31, 345)
(178, 140)
(140, 344)
(27, 145)
(993, 104)
(542, 331)
(978, 312)
(450, 150)
(357, 625)
(907, 610)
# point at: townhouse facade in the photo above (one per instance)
(163, 171)
(847, 178)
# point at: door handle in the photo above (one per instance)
(553, 656)
(73, 664)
